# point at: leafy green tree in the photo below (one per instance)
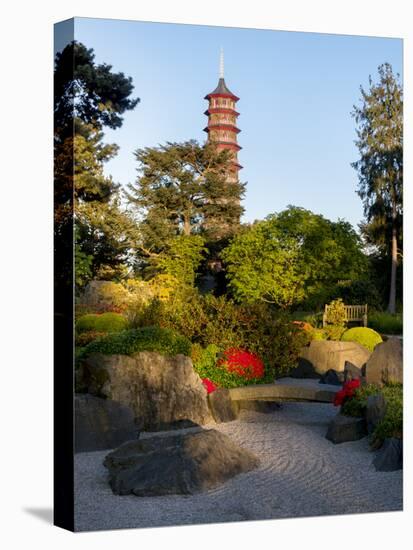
(379, 121)
(182, 190)
(292, 257)
(181, 258)
(263, 264)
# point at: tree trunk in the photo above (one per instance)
(392, 297)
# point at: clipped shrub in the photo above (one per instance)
(101, 322)
(346, 393)
(243, 363)
(386, 323)
(129, 342)
(392, 423)
(229, 369)
(319, 334)
(86, 323)
(336, 313)
(85, 338)
(367, 337)
(333, 332)
(209, 385)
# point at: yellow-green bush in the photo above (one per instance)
(104, 322)
(367, 337)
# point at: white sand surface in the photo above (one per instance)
(301, 474)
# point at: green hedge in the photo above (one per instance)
(385, 323)
(367, 337)
(128, 342)
(104, 322)
(392, 423)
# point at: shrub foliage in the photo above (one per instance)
(367, 337)
(105, 322)
(129, 342)
(392, 423)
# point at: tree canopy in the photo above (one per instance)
(293, 257)
(87, 91)
(182, 190)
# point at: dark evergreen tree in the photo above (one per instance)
(182, 190)
(89, 97)
(380, 168)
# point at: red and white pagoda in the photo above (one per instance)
(222, 121)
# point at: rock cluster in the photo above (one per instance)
(346, 428)
(325, 355)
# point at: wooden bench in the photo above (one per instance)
(353, 314)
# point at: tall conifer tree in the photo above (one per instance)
(380, 167)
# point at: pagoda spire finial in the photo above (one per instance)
(221, 64)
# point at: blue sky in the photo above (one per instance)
(296, 93)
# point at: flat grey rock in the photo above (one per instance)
(286, 389)
(346, 428)
(177, 464)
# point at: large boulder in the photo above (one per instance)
(346, 428)
(102, 424)
(162, 391)
(351, 372)
(222, 407)
(327, 355)
(332, 377)
(304, 368)
(177, 464)
(375, 411)
(390, 456)
(386, 363)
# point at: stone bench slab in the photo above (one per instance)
(295, 390)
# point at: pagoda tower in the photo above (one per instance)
(222, 121)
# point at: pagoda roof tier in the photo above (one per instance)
(222, 91)
(218, 110)
(228, 145)
(223, 127)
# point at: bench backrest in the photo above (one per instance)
(353, 313)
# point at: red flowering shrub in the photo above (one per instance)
(209, 385)
(242, 363)
(346, 392)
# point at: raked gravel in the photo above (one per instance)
(301, 474)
